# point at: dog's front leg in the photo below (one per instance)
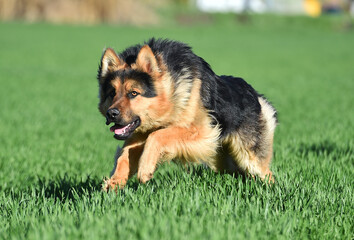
(162, 144)
(126, 166)
(149, 159)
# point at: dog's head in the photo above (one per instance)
(133, 96)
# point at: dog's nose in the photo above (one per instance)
(112, 115)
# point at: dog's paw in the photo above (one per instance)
(113, 184)
(269, 178)
(108, 185)
(146, 172)
(144, 177)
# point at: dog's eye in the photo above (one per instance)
(133, 94)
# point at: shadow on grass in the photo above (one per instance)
(60, 188)
(324, 148)
(69, 188)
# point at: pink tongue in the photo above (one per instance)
(119, 131)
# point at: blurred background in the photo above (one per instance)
(143, 12)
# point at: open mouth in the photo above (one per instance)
(122, 132)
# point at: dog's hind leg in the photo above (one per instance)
(251, 146)
(247, 161)
(126, 164)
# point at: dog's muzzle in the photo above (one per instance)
(112, 115)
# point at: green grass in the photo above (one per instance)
(55, 148)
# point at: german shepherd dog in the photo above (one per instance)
(167, 103)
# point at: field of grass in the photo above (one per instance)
(55, 148)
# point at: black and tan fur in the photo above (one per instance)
(167, 103)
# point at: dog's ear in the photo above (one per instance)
(146, 60)
(109, 62)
